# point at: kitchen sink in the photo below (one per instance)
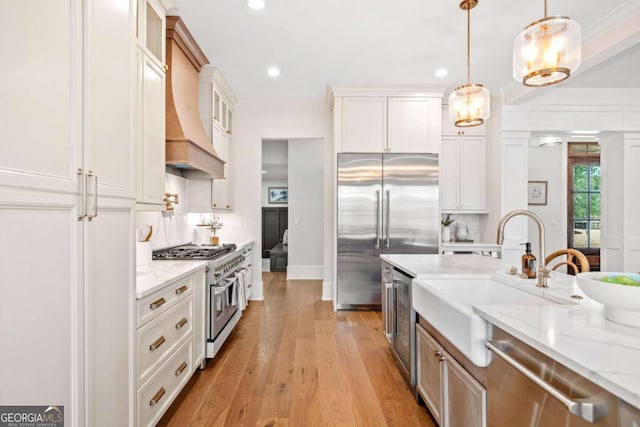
(447, 304)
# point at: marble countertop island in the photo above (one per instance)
(449, 266)
(579, 336)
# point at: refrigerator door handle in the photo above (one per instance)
(377, 219)
(388, 220)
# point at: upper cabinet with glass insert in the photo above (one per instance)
(151, 27)
(216, 104)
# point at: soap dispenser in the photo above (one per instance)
(528, 262)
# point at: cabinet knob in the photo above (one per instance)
(437, 354)
(214, 205)
(166, 67)
(228, 206)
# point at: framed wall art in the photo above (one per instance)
(537, 193)
(278, 195)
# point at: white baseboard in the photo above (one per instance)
(305, 272)
(326, 290)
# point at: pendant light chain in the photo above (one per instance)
(545, 8)
(468, 45)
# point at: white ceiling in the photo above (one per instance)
(381, 42)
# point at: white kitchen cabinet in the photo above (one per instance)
(413, 125)
(171, 343)
(364, 124)
(394, 124)
(199, 320)
(222, 193)
(216, 101)
(151, 134)
(452, 395)
(75, 165)
(463, 174)
(151, 27)
(206, 195)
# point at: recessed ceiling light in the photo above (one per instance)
(441, 72)
(273, 72)
(256, 4)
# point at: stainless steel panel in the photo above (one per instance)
(516, 400)
(410, 202)
(359, 213)
(403, 340)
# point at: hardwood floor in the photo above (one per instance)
(293, 361)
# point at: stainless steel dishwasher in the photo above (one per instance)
(527, 388)
(399, 319)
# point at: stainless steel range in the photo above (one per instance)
(226, 262)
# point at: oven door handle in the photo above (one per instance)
(588, 411)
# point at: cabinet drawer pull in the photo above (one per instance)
(157, 343)
(181, 368)
(181, 289)
(157, 303)
(156, 397)
(181, 323)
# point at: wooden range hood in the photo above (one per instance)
(188, 147)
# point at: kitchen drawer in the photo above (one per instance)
(160, 337)
(158, 393)
(162, 300)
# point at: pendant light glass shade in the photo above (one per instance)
(547, 51)
(469, 104)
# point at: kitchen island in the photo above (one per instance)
(559, 322)
(434, 266)
(579, 337)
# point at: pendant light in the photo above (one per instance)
(469, 104)
(547, 51)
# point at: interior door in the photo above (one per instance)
(359, 230)
(274, 222)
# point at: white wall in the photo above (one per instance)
(306, 209)
(549, 164)
(266, 183)
(256, 120)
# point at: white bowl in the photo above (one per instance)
(621, 302)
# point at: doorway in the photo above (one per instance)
(275, 202)
(584, 200)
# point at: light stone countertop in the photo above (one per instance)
(449, 266)
(578, 336)
(157, 274)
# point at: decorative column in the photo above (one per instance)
(620, 223)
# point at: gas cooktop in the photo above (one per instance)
(187, 252)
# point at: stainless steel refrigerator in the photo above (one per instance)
(387, 203)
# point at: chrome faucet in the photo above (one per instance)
(543, 272)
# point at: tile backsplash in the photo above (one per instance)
(471, 221)
(169, 229)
